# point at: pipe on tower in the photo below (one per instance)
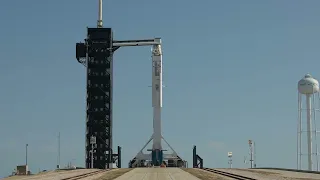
(99, 23)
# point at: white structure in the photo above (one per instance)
(308, 87)
(156, 157)
(93, 142)
(230, 159)
(252, 153)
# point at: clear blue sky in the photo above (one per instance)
(230, 68)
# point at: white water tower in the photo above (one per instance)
(308, 103)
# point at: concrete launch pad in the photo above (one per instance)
(157, 173)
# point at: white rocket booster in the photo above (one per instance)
(157, 95)
(156, 156)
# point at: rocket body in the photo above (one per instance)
(157, 154)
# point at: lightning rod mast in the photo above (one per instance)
(99, 22)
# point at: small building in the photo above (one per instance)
(22, 170)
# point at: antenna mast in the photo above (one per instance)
(99, 22)
(58, 161)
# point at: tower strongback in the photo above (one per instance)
(99, 96)
(97, 55)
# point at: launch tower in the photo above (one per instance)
(96, 53)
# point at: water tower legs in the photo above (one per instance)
(309, 130)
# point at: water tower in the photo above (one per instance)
(308, 102)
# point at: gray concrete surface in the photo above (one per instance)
(157, 174)
(262, 174)
(109, 175)
(52, 175)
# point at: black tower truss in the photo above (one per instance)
(97, 55)
(197, 160)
